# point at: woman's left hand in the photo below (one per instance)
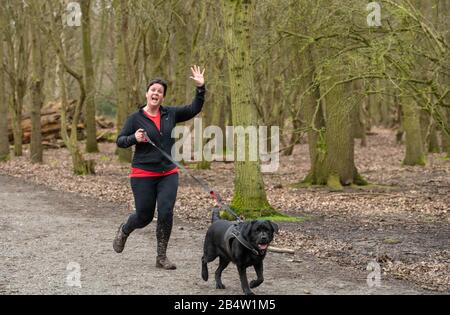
(197, 75)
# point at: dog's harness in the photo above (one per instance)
(205, 186)
(232, 233)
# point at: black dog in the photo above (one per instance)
(244, 244)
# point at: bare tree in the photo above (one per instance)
(4, 141)
(89, 77)
(249, 196)
(37, 84)
(123, 98)
(16, 65)
(56, 35)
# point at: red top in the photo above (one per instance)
(137, 172)
(156, 119)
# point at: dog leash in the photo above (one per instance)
(202, 183)
(243, 242)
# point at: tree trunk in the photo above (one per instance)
(446, 138)
(339, 139)
(79, 165)
(18, 86)
(425, 120)
(37, 83)
(13, 30)
(89, 78)
(249, 197)
(16, 111)
(411, 122)
(294, 137)
(385, 105)
(120, 8)
(4, 141)
(357, 113)
(99, 68)
(206, 114)
(180, 56)
(433, 141)
(374, 105)
(444, 8)
(314, 117)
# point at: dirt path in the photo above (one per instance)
(42, 231)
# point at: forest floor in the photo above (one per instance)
(402, 221)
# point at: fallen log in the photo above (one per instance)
(51, 124)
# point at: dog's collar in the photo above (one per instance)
(233, 232)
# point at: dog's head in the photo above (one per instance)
(260, 233)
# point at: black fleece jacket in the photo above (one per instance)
(147, 157)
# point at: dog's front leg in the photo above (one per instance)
(244, 281)
(259, 274)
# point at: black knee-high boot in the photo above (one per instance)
(163, 231)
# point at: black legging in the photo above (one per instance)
(149, 191)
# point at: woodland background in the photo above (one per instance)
(363, 111)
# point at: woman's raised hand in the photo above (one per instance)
(197, 75)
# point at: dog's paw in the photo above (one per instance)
(220, 286)
(249, 293)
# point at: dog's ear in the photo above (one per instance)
(274, 227)
(247, 228)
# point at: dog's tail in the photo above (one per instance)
(215, 214)
(204, 269)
